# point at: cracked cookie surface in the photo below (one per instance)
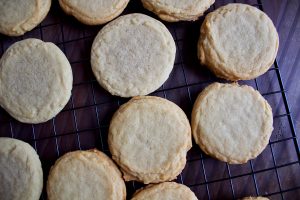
(149, 138)
(35, 81)
(231, 123)
(238, 42)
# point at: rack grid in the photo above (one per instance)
(84, 122)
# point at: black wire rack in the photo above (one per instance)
(83, 123)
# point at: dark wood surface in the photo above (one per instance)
(84, 121)
(286, 16)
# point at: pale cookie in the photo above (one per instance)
(35, 80)
(18, 17)
(231, 123)
(149, 138)
(178, 10)
(255, 198)
(21, 174)
(133, 55)
(94, 12)
(85, 175)
(238, 42)
(167, 190)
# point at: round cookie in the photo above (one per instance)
(133, 55)
(255, 198)
(21, 174)
(167, 190)
(93, 12)
(231, 123)
(178, 10)
(18, 17)
(238, 42)
(149, 138)
(35, 80)
(85, 175)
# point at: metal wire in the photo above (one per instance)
(181, 63)
(191, 103)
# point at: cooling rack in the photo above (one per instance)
(83, 123)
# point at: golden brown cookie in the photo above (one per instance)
(17, 17)
(21, 174)
(133, 55)
(238, 42)
(94, 12)
(178, 10)
(86, 175)
(35, 80)
(149, 138)
(167, 190)
(231, 123)
(255, 198)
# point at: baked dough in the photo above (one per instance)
(35, 80)
(94, 12)
(21, 175)
(18, 17)
(255, 198)
(86, 175)
(167, 190)
(149, 138)
(238, 42)
(133, 55)
(231, 123)
(178, 10)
